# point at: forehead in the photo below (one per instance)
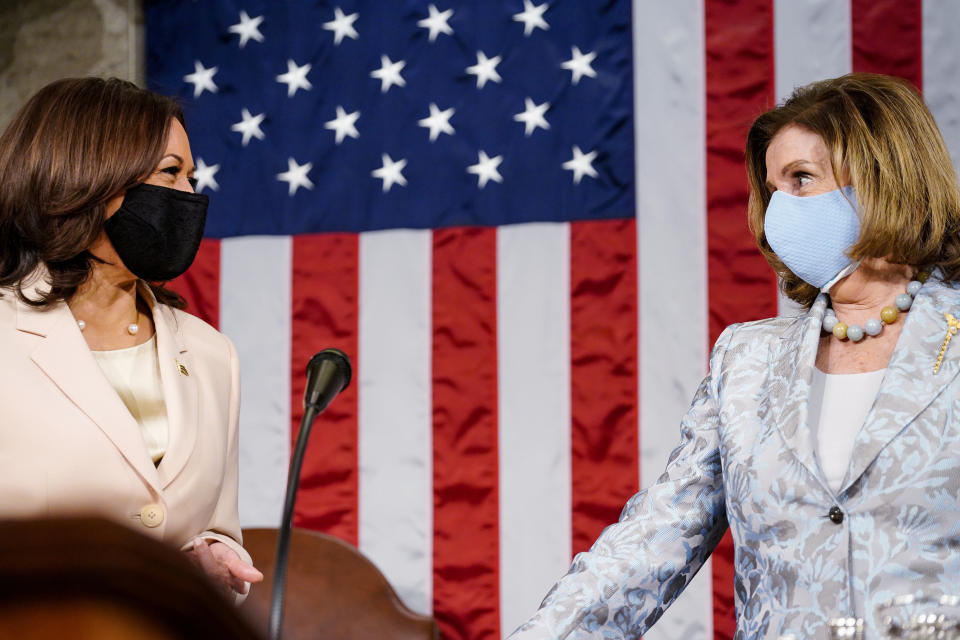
(177, 137)
(793, 143)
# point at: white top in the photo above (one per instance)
(135, 374)
(839, 404)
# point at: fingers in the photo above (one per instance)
(244, 571)
(216, 571)
(237, 567)
(223, 566)
(204, 557)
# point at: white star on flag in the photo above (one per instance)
(437, 22)
(389, 73)
(295, 77)
(579, 64)
(201, 79)
(204, 176)
(581, 164)
(485, 69)
(532, 116)
(296, 175)
(248, 29)
(390, 172)
(486, 169)
(342, 26)
(249, 126)
(438, 121)
(532, 17)
(343, 124)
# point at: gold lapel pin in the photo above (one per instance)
(952, 326)
(182, 369)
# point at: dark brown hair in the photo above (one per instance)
(881, 135)
(74, 145)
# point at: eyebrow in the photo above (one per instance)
(179, 159)
(787, 168)
(793, 165)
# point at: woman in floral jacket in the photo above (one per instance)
(827, 443)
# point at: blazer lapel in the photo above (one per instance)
(910, 385)
(792, 360)
(64, 357)
(179, 390)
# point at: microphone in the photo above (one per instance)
(328, 373)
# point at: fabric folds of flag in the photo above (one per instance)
(524, 220)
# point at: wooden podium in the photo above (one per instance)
(333, 592)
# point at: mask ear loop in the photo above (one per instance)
(850, 268)
(847, 270)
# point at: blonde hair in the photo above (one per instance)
(882, 136)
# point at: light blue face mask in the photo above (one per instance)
(812, 234)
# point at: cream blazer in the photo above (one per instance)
(69, 446)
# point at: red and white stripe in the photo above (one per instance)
(514, 386)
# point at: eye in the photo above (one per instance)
(173, 171)
(802, 178)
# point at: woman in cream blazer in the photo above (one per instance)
(113, 401)
(68, 445)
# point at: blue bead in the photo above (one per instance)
(855, 333)
(913, 287)
(830, 312)
(873, 327)
(903, 301)
(829, 322)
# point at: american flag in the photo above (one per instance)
(525, 220)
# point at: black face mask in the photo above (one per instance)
(157, 230)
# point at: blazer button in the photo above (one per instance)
(835, 515)
(151, 515)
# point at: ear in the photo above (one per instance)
(113, 204)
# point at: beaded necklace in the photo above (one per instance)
(873, 326)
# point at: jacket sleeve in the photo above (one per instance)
(638, 566)
(224, 525)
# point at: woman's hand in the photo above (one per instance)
(223, 566)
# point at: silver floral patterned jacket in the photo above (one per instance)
(746, 460)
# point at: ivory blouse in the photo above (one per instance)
(135, 374)
(839, 404)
